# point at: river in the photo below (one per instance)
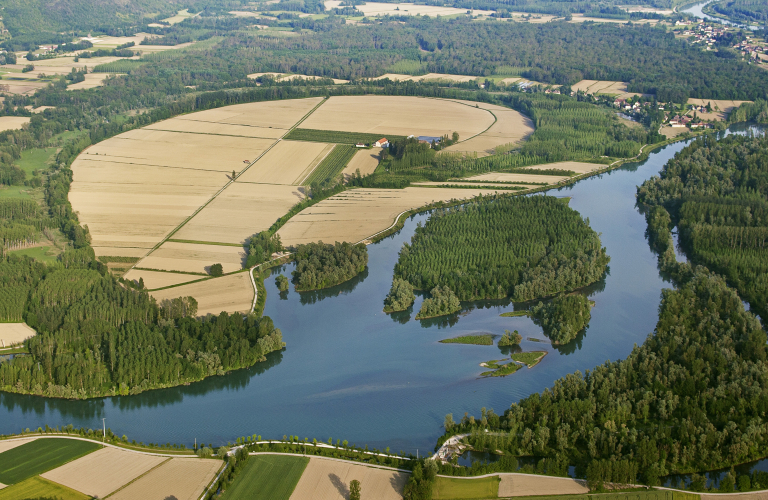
(697, 10)
(352, 372)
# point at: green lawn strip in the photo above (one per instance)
(529, 358)
(454, 488)
(485, 339)
(267, 477)
(40, 455)
(37, 487)
(332, 136)
(195, 242)
(15, 192)
(332, 165)
(37, 253)
(500, 369)
(513, 314)
(35, 159)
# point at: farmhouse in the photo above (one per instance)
(381, 143)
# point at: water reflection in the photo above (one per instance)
(314, 296)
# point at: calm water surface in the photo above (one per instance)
(352, 372)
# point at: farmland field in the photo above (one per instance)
(359, 213)
(574, 166)
(34, 159)
(6, 445)
(36, 457)
(239, 212)
(12, 122)
(233, 293)
(720, 108)
(511, 128)
(92, 80)
(103, 471)
(37, 487)
(287, 162)
(328, 480)
(399, 115)
(366, 160)
(460, 488)
(337, 137)
(14, 333)
(267, 477)
(332, 165)
(180, 478)
(373, 9)
(155, 279)
(512, 178)
(518, 485)
(193, 258)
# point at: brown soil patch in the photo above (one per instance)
(179, 478)
(329, 480)
(104, 471)
(233, 293)
(14, 333)
(519, 485)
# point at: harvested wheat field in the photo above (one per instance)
(135, 206)
(233, 293)
(372, 9)
(202, 127)
(519, 485)
(429, 77)
(20, 86)
(573, 166)
(670, 132)
(10, 444)
(193, 258)
(366, 160)
(92, 80)
(179, 478)
(288, 162)
(511, 127)
(329, 480)
(239, 212)
(356, 214)
(513, 178)
(12, 122)
(600, 87)
(14, 333)
(156, 279)
(120, 252)
(270, 114)
(720, 108)
(399, 116)
(104, 471)
(497, 186)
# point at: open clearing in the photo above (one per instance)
(465, 488)
(12, 122)
(519, 485)
(366, 160)
(670, 132)
(372, 9)
(267, 477)
(284, 77)
(329, 480)
(103, 471)
(40, 455)
(92, 80)
(36, 487)
(14, 333)
(155, 279)
(241, 211)
(193, 258)
(288, 162)
(179, 478)
(233, 293)
(600, 87)
(399, 116)
(359, 213)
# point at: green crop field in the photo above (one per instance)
(35, 159)
(485, 339)
(39, 456)
(37, 487)
(267, 477)
(529, 358)
(38, 253)
(457, 488)
(332, 165)
(332, 136)
(14, 192)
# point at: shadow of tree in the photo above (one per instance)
(340, 485)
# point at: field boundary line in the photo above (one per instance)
(397, 219)
(214, 481)
(352, 462)
(314, 167)
(211, 133)
(138, 477)
(109, 445)
(495, 118)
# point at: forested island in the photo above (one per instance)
(716, 194)
(563, 317)
(523, 248)
(320, 265)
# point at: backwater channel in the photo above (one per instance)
(352, 372)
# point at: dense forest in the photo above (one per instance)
(563, 317)
(320, 265)
(716, 193)
(441, 301)
(523, 248)
(400, 296)
(747, 11)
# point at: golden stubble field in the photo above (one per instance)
(10, 444)
(14, 333)
(233, 293)
(329, 480)
(178, 478)
(366, 160)
(511, 127)
(193, 257)
(288, 162)
(399, 116)
(519, 485)
(155, 279)
(12, 122)
(104, 471)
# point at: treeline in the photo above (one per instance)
(747, 11)
(563, 317)
(523, 248)
(441, 301)
(320, 265)
(716, 193)
(689, 399)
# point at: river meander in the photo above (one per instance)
(352, 372)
